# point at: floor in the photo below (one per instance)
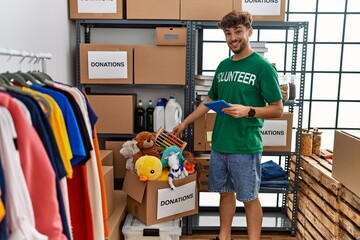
(239, 236)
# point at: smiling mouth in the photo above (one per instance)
(235, 44)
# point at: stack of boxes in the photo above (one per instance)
(115, 199)
(200, 10)
(163, 63)
(259, 47)
(202, 86)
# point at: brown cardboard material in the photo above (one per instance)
(199, 134)
(203, 128)
(117, 218)
(209, 125)
(84, 66)
(237, 4)
(159, 64)
(171, 36)
(109, 186)
(74, 13)
(107, 157)
(115, 113)
(119, 159)
(142, 198)
(289, 118)
(153, 9)
(212, 10)
(346, 159)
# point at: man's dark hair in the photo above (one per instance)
(235, 18)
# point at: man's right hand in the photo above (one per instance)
(177, 131)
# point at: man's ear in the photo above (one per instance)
(250, 32)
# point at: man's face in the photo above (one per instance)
(237, 38)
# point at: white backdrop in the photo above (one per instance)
(42, 26)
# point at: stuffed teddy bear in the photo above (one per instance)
(146, 143)
(129, 150)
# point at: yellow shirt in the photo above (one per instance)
(58, 126)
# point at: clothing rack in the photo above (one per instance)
(23, 53)
(38, 56)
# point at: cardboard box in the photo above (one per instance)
(115, 113)
(159, 64)
(171, 36)
(119, 159)
(109, 186)
(106, 64)
(264, 11)
(203, 128)
(154, 202)
(80, 9)
(133, 229)
(212, 10)
(153, 9)
(117, 218)
(107, 157)
(346, 159)
(276, 133)
(203, 175)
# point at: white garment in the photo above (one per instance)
(18, 204)
(91, 167)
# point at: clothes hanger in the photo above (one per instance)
(4, 81)
(14, 76)
(41, 76)
(43, 102)
(27, 76)
(17, 78)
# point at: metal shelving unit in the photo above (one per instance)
(274, 220)
(88, 24)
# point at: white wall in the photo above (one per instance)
(42, 26)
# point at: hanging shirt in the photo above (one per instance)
(76, 142)
(57, 123)
(81, 123)
(95, 175)
(18, 203)
(3, 218)
(42, 126)
(38, 172)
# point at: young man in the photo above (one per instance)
(249, 83)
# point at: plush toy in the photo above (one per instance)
(191, 164)
(164, 175)
(148, 168)
(177, 171)
(166, 153)
(146, 144)
(129, 150)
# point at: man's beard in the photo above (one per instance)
(241, 48)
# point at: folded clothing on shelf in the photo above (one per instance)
(273, 175)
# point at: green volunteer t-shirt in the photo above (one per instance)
(252, 81)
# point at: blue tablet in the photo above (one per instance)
(217, 106)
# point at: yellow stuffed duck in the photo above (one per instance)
(148, 168)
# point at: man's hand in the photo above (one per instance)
(237, 110)
(177, 131)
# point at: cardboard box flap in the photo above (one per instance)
(133, 187)
(352, 133)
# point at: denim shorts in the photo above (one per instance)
(239, 173)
